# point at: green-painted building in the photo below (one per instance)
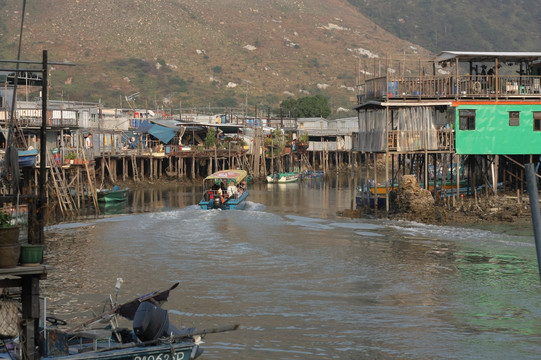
(499, 128)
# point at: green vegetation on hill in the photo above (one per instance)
(474, 25)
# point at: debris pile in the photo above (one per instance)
(413, 201)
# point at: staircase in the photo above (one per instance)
(134, 168)
(65, 201)
(91, 178)
(305, 163)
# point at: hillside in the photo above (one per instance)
(199, 53)
(489, 25)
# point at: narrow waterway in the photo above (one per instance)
(303, 282)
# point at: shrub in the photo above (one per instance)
(5, 220)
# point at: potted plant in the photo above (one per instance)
(303, 142)
(9, 242)
(5, 219)
(9, 233)
(31, 254)
(303, 139)
(71, 157)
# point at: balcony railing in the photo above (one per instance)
(33, 118)
(451, 87)
(416, 140)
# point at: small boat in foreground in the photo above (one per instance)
(224, 190)
(282, 178)
(151, 337)
(113, 195)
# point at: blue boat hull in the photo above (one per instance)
(27, 158)
(229, 204)
(364, 199)
(311, 174)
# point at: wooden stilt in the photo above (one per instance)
(102, 166)
(376, 184)
(193, 167)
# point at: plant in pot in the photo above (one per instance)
(10, 249)
(9, 233)
(31, 254)
(303, 139)
(71, 157)
(9, 241)
(303, 142)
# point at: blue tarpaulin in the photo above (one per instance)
(162, 133)
(144, 127)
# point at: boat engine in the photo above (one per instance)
(150, 322)
(217, 202)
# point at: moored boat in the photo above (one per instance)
(309, 174)
(282, 178)
(364, 198)
(27, 158)
(180, 350)
(151, 336)
(115, 194)
(370, 195)
(381, 188)
(224, 190)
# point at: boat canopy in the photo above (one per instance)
(235, 175)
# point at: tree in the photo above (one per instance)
(227, 101)
(289, 106)
(309, 106)
(210, 139)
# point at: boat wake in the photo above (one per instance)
(253, 206)
(454, 233)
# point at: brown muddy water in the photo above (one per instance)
(303, 282)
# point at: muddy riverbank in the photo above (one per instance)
(412, 203)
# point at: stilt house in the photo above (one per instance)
(483, 107)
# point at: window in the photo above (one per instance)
(514, 118)
(537, 121)
(466, 119)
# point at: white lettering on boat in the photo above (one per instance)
(167, 356)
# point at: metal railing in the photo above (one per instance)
(465, 86)
(414, 140)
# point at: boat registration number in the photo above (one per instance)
(167, 356)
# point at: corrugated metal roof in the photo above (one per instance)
(310, 119)
(487, 56)
(399, 104)
(370, 104)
